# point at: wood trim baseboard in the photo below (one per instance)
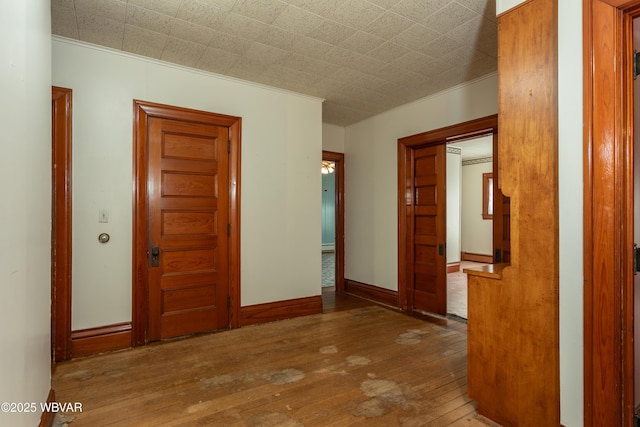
(453, 267)
(469, 256)
(47, 418)
(86, 342)
(280, 310)
(372, 293)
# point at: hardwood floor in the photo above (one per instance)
(357, 364)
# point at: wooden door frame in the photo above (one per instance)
(61, 115)
(466, 130)
(338, 159)
(143, 111)
(608, 212)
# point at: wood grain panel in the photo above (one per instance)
(188, 298)
(189, 147)
(188, 260)
(609, 216)
(514, 321)
(61, 221)
(180, 184)
(189, 222)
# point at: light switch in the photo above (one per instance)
(103, 215)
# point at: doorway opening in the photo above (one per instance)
(469, 216)
(422, 234)
(332, 250)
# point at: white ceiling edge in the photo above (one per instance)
(182, 67)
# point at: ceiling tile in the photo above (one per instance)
(242, 26)
(101, 30)
(386, 4)
(357, 13)
(201, 14)
(229, 42)
(362, 42)
(415, 37)
(217, 60)
(167, 7)
(320, 7)
(308, 65)
(450, 16)
(331, 32)
(366, 64)
(261, 10)
(440, 46)
(313, 48)
(149, 19)
(388, 52)
(191, 32)
(388, 25)
(64, 22)
(362, 56)
(182, 52)
(418, 10)
(487, 8)
(68, 4)
(297, 21)
(143, 42)
(278, 37)
(112, 9)
(226, 5)
(264, 53)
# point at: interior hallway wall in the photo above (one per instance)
(280, 176)
(25, 217)
(371, 183)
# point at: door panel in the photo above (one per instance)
(429, 287)
(188, 205)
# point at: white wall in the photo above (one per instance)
(25, 217)
(504, 5)
(454, 198)
(371, 217)
(281, 155)
(477, 233)
(570, 175)
(332, 138)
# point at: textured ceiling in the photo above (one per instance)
(363, 56)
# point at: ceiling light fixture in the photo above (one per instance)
(328, 167)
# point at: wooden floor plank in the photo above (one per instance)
(357, 364)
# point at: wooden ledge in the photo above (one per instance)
(491, 271)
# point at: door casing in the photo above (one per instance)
(142, 112)
(470, 129)
(61, 347)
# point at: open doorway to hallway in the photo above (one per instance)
(469, 221)
(332, 250)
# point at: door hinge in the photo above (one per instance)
(498, 255)
(636, 259)
(228, 301)
(228, 230)
(636, 64)
(229, 146)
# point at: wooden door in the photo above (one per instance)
(429, 285)
(188, 203)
